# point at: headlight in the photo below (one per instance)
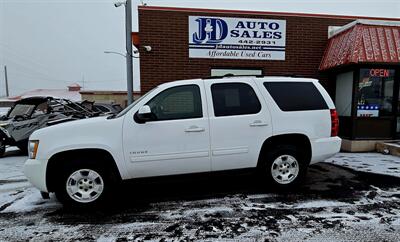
(32, 148)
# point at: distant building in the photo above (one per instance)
(117, 97)
(71, 93)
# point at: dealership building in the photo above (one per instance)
(357, 59)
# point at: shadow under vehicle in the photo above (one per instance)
(32, 113)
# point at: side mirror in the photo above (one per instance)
(143, 115)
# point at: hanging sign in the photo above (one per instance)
(237, 38)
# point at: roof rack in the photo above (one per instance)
(257, 76)
(230, 75)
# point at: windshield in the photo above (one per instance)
(21, 109)
(134, 103)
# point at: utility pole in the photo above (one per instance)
(6, 80)
(128, 56)
(129, 64)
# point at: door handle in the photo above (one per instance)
(195, 129)
(258, 123)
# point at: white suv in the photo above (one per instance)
(279, 125)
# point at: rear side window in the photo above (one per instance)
(296, 96)
(234, 99)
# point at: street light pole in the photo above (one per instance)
(6, 80)
(129, 54)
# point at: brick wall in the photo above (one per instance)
(166, 31)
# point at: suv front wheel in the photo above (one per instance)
(284, 166)
(84, 185)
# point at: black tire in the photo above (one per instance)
(267, 161)
(23, 146)
(2, 149)
(69, 167)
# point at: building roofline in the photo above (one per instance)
(364, 22)
(246, 12)
(106, 92)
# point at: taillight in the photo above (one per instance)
(334, 123)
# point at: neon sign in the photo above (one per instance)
(379, 73)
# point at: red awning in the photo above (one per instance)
(363, 43)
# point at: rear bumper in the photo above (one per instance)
(324, 148)
(35, 171)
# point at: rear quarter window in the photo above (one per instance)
(296, 96)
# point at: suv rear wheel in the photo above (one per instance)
(283, 166)
(84, 184)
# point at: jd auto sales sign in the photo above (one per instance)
(237, 38)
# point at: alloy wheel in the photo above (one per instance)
(285, 169)
(85, 185)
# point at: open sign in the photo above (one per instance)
(379, 73)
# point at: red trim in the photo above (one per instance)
(312, 15)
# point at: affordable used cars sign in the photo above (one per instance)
(237, 38)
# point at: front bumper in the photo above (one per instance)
(325, 148)
(35, 171)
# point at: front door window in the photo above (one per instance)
(182, 102)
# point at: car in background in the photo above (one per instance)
(4, 111)
(102, 108)
(33, 113)
(5, 106)
(107, 108)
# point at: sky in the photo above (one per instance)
(55, 43)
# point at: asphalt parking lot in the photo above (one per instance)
(338, 202)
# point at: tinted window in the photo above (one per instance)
(234, 99)
(177, 103)
(296, 96)
(21, 109)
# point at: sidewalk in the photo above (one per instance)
(368, 162)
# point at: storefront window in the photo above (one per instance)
(375, 92)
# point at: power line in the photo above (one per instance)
(38, 72)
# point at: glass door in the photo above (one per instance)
(375, 109)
